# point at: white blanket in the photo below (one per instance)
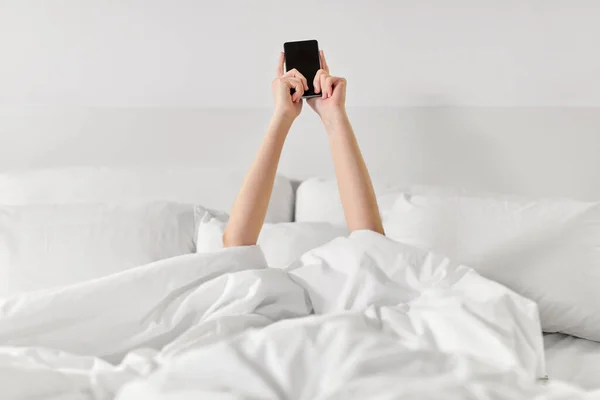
(362, 317)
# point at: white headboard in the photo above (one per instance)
(534, 151)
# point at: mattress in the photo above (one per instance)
(573, 360)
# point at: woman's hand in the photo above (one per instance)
(251, 204)
(331, 105)
(288, 105)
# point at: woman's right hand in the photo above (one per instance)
(286, 104)
(331, 105)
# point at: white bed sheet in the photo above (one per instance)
(360, 317)
(573, 360)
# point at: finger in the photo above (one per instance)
(329, 86)
(298, 86)
(317, 80)
(323, 61)
(336, 82)
(296, 74)
(299, 89)
(280, 65)
(323, 83)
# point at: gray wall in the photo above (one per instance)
(497, 95)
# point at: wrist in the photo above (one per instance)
(281, 124)
(334, 117)
(283, 117)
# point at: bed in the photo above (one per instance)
(568, 357)
(409, 315)
(573, 360)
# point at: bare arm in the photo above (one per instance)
(250, 207)
(354, 183)
(356, 189)
(251, 204)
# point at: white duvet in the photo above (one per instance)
(361, 317)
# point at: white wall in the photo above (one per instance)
(222, 53)
(188, 82)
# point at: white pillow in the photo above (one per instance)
(318, 200)
(546, 250)
(214, 188)
(43, 246)
(281, 243)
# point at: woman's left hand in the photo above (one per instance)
(332, 102)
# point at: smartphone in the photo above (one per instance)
(304, 56)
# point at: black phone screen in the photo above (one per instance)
(304, 56)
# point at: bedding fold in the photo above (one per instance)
(360, 317)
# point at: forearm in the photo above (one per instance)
(250, 207)
(356, 189)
